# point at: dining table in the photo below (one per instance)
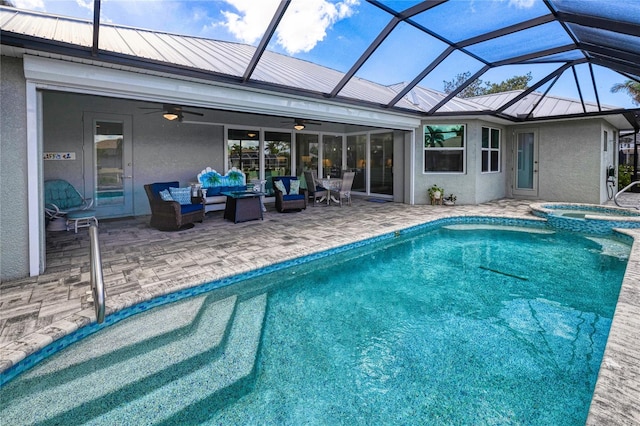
(331, 184)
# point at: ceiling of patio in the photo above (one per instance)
(563, 43)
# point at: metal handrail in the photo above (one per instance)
(97, 282)
(615, 197)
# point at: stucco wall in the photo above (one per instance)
(162, 150)
(14, 247)
(470, 187)
(569, 161)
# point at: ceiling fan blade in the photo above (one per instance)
(192, 113)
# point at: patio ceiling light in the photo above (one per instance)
(299, 125)
(170, 116)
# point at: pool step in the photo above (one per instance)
(192, 356)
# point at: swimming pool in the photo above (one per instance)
(306, 311)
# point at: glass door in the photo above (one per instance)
(109, 157)
(381, 164)
(357, 161)
(526, 164)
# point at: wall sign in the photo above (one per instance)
(59, 156)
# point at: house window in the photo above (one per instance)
(490, 150)
(444, 148)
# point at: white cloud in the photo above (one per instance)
(304, 25)
(29, 4)
(85, 4)
(252, 19)
(522, 4)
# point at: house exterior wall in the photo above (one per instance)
(162, 150)
(472, 186)
(14, 222)
(570, 167)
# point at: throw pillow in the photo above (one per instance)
(295, 186)
(181, 195)
(281, 187)
(165, 195)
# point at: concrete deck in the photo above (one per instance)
(141, 263)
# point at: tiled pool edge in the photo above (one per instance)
(616, 396)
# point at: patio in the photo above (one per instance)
(141, 263)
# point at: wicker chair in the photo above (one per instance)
(171, 215)
(287, 201)
(316, 191)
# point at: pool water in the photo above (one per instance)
(459, 325)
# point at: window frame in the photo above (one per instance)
(462, 149)
(489, 150)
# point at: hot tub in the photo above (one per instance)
(587, 218)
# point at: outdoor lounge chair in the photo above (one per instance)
(176, 212)
(316, 192)
(63, 202)
(286, 199)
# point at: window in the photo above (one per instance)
(490, 150)
(242, 151)
(444, 148)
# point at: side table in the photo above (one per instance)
(242, 206)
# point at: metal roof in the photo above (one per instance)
(571, 35)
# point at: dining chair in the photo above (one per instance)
(316, 191)
(345, 189)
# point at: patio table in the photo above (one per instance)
(331, 185)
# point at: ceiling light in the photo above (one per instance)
(251, 134)
(298, 126)
(170, 116)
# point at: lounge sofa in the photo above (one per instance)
(177, 210)
(215, 183)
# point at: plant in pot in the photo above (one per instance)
(450, 200)
(435, 194)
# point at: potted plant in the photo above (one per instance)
(450, 200)
(435, 194)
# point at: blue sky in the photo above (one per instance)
(312, 29)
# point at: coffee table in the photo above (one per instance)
(242, 206)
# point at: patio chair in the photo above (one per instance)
(286, 198)
(63, 202)
(316, 191)
(345, 189)
(177, 211)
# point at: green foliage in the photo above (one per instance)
(435, 188)
(479, 87)
(434, 137)
(631, 87)
(624, 176)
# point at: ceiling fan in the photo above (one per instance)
(301, 123)
(172, 112)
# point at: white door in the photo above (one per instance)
(526, 170)
(108, 163)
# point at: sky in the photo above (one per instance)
(311, 30)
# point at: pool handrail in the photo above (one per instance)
(615, 197)
(97, 281)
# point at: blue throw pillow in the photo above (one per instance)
(165, 195)
(181, 195)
